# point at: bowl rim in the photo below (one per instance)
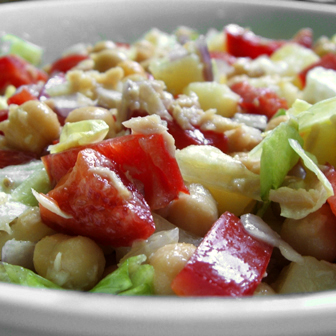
(224, 315)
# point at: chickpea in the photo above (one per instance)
(313, 235)
(27, 227)
(102, 45)
(276, 122)
(264, 289)
(132, 68)
(31, 126)
(195, 212)
(168, 261)
(92, 112)
(145, 50)
(71, 262)
(107, 59)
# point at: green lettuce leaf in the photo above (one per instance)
(21, 276)
(277, 156)
(11, 44)
(80, 133)
(130, 278)
(9, 210)
(16, 183)
(298, 200)
(213, 169)
(317, 127)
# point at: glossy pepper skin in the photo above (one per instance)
(228, 262)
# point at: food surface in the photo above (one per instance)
(180, 164)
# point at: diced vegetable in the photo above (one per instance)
(144, 157)
(232, 185)
(66, 63)
(177, 74)
(21, 96)
(228, 262)
(16, 71)
(310, 276)
(274, 165)
(320, 85)
(100, 203)
(14, 157)
(328, 61)
(22, 276)
(243, 42)
(317, 128)
(215, 95)
(258, 100)
(195, 136)
(11, 44)
(79, 134)
(131, 278)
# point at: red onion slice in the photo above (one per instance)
(203, 50)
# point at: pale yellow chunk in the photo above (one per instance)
(195, 212)
(179, 73)
(212, 95)
(168, 261)
(310, 276)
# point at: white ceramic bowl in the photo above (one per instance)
(59, 24)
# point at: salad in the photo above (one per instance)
(181, 164)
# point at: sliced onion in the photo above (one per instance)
(184, 236)
(153, 243)
(177, 53)
(108, 98)
(252, 120)
(50, 205)
(257, 228)
(203, 50)
(17, 252)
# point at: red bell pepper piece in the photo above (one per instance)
(258, 100)
(3, 115)
(228, 262)
(241, 42)
(143, 157)
(328, 61)
(14, 157)
(16, 71)
(195, 136)
(21, 96)
(102, 202)
(66, 63)
(224, 56)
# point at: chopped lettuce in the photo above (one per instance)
(11, 44)
(16, 183)
(12, 176)
(80, 133)
(277, 156)
(213, 169)
(18, 275)
(131, 278)
(39, 180)
(153, 243)
(317, 127)
(9, 210)
(298, 200)
(320, 85)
